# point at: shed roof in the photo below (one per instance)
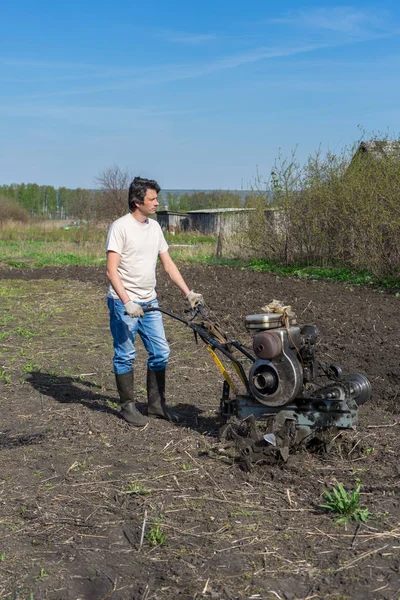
(220, 210)
(380, 149)
(172, 212)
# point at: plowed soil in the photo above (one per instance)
(92, 509)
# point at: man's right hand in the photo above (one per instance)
(194, 299)
(134, 310)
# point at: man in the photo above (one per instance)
(134, 243)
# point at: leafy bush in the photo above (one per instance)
(337, 210)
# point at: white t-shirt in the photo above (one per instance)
(139, 245)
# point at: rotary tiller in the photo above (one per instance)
(290, 395)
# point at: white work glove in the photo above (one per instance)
(133, 309)
(194, 299)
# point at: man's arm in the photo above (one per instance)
(173, 272)
(113, 260)
(133, 309)
(175, 276)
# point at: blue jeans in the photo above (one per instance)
(124, 330)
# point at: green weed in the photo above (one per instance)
(4, 377)
(79, 467)
(25, 332)
(113, 405)
(16, 263)
(43, 574)
(135, 487)
(156, 535)
(30, 367)
(345, 504)
(6, 320)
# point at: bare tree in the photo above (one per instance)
(114, 183)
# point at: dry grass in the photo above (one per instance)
(45, 243)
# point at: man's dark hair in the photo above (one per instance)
(138, 189)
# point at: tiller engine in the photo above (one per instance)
(288, 393)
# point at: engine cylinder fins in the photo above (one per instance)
(267, 345)
(360, 387)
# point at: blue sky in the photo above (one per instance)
(195, 95)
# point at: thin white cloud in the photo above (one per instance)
(42, 64)
(193, 39)
(339, 19)
(171, 73)
(89, 115)
(49, 78)
(161, 74)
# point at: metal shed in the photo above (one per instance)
(212, 220)
(208, 220)
(173, 222)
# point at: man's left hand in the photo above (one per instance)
(194, 299)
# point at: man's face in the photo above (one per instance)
(149, 205)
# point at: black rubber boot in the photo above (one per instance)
(129, 412)
(157, 407)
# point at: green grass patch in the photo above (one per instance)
(192, 238)
(342, 274)
(44, 254)
(46, 244)
(39, 246)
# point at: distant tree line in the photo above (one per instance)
(202, 200)
(47, 201)
(108, 201)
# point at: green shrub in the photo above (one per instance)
(337, 210)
